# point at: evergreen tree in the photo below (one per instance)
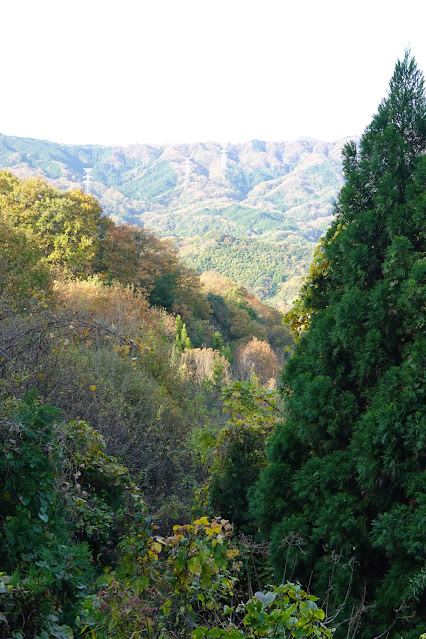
(343, 500)
(182, 340)
(218, 342)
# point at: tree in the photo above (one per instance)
(238, 451)
(218, 342)
(206, 365)
(22, 275)
(134, 256)
(256, 358)
(182, 340)
(343, 499)
(66, 227)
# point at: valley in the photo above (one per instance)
(252, 211)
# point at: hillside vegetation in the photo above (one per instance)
(155, 483)
(107, 318)
(112, 348)
(255, 217)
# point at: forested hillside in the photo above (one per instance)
(154, 481)
(109, 345)
(253, 211)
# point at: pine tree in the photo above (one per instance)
(343, 500)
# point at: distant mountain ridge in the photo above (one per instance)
(254, 211)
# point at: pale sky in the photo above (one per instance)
(159, 71)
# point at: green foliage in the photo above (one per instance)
(238, 316)
(127, 382)
(238, 451)
(164, 585)
(66, 234)
(343, 496)
(259, 265)
(325, 174)
(38, 154)
(22, 273)
(218, 342)
(183, 586)
(283, 611)
(66, 227)
(269, 195)
(244, 180)
(79, 553)
(258, 145)
(47, 539)
(114, 171)
(156, 181)
(182, 340)
(220, 313)
(298, 316)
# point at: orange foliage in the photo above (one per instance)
(215, 282)
(118, 305)
(256, 357)
(132, 255)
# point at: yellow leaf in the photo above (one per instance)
(92, 387)
(214, 528)
(202, 522)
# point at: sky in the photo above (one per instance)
(176, 71)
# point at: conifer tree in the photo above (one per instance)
(182, 340)
(343, 500)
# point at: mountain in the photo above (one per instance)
(253, 211)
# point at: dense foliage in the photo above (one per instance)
(80, 558)
(65, 228)
(343, 499)
(236, 455)
(273, 199)
(105, 323)
(64, 502)
(265, 268)
(113, 352)
(86, 320)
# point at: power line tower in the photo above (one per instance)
(224, 158)
(187, 175)
(87, 180)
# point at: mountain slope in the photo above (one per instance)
(253, 211)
